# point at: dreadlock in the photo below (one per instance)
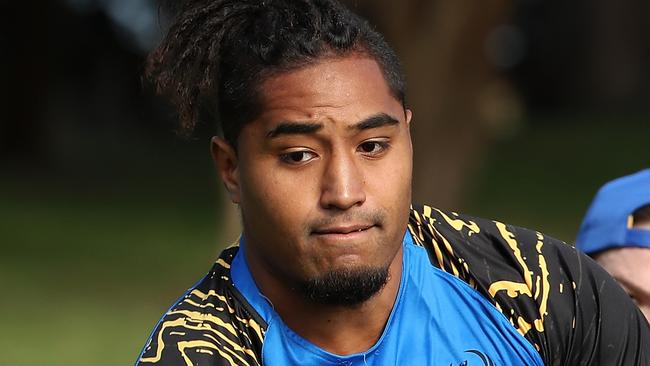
(217, 52)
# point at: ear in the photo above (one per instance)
(225, 160)
(409, 115)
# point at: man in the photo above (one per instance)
(616, 233)
(334, 265)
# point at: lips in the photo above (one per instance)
(342, 229)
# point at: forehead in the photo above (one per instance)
(351, 85)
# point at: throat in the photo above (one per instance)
(343, 330)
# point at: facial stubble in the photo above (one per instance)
(347, 286)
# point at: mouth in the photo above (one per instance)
(344, 243)
(343, 230)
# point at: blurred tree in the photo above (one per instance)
(590, 56)
(620, 49)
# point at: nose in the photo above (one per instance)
(343, 184)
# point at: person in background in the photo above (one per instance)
(616, 233)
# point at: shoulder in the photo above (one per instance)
(485, 250)
(210, 323)
(450, 235)
(555, 296)
(508, 265)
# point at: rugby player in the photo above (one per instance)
(335, 265)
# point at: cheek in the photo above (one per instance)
(389, 188)
(272, 198)
(392, 180)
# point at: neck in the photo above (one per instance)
(341, 330)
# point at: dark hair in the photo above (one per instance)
(642, 214)
(217, 52)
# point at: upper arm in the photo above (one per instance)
(606, 326)
(570, 309)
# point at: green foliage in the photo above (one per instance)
(546, 177)
(85, 278)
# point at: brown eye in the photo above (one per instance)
(373, 148)
(297, 157)
(369, 146)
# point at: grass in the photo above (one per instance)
(85, 276)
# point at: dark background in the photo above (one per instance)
(522, 110)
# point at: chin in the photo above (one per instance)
(347, 286)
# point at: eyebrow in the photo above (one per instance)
(294, 128)
(298, 128)
(375, 121)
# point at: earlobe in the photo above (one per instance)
(226, 163)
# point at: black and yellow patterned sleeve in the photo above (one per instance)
(211, 325)
(562, 302)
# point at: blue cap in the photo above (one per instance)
(608, 222)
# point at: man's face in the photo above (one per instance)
(323, 175)
(631, 268)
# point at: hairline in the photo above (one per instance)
(359, 51)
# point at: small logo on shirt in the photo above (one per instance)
(486, 360)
